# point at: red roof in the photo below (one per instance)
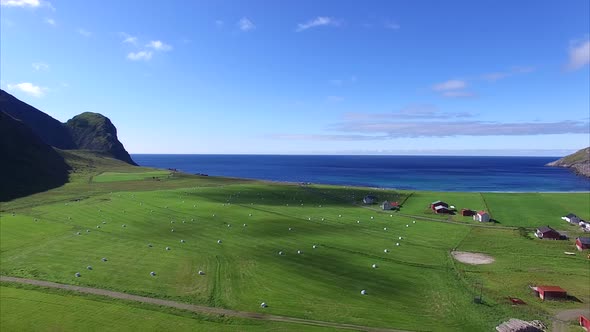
(394, 203)
(551, 289)
(481, 212)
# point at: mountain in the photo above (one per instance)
(579, 162)
(28, 164)
(94, 131)
(47, 128)
(89, 131)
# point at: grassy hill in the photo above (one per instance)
(118, 210)
(579, 162)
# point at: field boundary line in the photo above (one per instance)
(193, 307)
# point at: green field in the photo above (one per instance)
(417, 285)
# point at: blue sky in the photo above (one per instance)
(309, 77)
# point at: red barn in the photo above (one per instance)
(467, 212)
(585, 322)
(583, 243)
(551, 292)
(546, 232)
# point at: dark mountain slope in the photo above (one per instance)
(93, 131)
(28, 164)
(88, 131)
(47, 128)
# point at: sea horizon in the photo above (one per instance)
(402, 172)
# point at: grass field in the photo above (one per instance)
(417, 285)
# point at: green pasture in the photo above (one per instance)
(416, 286)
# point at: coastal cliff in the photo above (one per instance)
(578, 162)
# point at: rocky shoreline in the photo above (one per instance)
(578, 162)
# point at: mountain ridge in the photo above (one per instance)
(578, 162)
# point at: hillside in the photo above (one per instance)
(34, 166)
(87, 131)
(93, 131)
(579, 162)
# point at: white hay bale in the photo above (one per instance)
(374, 266)
(339, 216)
(400, 238)
(184, 222)
(249, 214)
(407, 225)
(323, 219)
(299, 252)
(280, 253)
(153, 274)
(87, 231)
(123, 225)
(290, 229)
(89, 267)
(172, 230)
(391, 215)
(192, 219)
(214, 214)
(167, 248)
(172, 221)
(78, 275)
(182, 241)
(150, 245)
(385, 250)
(263, 305)
(104, 222)
(309, 218)
(201, 273)
(104, 259)
(413, 222)
(228, 225)
(219, 241)
(314, 246)
(372, 217)
(358, 221)
(245, 225)
(384, 228)
(363, 292)
(397, 244)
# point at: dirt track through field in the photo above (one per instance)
(192, 307)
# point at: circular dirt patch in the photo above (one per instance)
(472, 258)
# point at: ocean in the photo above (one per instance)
(436, 173)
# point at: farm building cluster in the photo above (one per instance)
(577, 221)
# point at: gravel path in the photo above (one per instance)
(561, 319)
(192, 307)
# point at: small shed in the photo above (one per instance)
(467, 212)
(546, 232)
(390, 205)
(551, 292)
(572, 218)
(439, 209)
(583, 243)
(585, 322)
(482, 216)
(369, 199)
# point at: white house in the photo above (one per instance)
(482, 216)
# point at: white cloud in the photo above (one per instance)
(141, 55)
(391, 26)
(316, 22)
(457, 94)
(28, 88)
(50, 21)
(128, 39)
(579, 54)
(496, 76)
(159, 45)
(40, 66)
(245, 24)
(20, 3)
(450, 85)
(84, 32)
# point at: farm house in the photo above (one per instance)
(467, 212)
(439, 209)
(482, 216)
(583, 243)
(546, 232)
(369, 199)
(550, 292)
(572, 218)
(390, 205)
(434, 204)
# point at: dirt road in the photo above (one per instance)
(561, 319)
(192, 307)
